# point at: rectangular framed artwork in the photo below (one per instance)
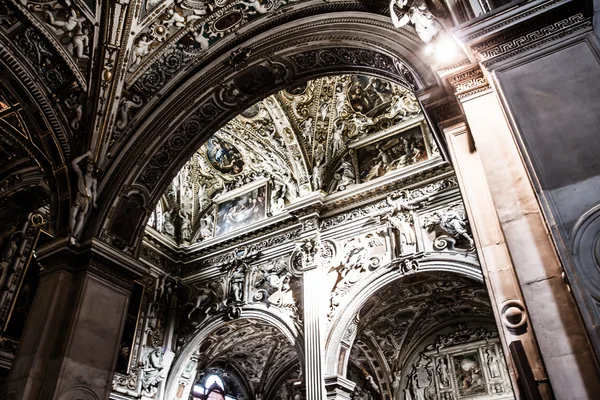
(241, 208)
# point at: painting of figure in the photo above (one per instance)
(369, 96)
(223, 156)
(392, 153)
(469, 374)
(241, 211)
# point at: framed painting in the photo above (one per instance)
(241, 209)
(392, 152)
(468, 374)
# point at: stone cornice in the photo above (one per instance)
(521, 27)
(93, 256)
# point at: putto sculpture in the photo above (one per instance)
(418, 14)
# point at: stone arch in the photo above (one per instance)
(50, 151)
(214, 323)
(166, 136)
(337, 347)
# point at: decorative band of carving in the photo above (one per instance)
(512, 46)
(469, 83)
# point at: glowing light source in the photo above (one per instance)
(446, 49)
(214, 379)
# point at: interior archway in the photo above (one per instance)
(367, 47)
(421, 328)
(255, 356)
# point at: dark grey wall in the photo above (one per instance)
(554, 98)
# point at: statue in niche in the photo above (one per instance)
(492, 364)
(343, 177)
(237, 284)
(207, 226)
(317, 176)
(319, 155)
(168, 226)
(324, 111)
(238, 277)
(442, 371)
(186, 229)
(397, 216)
(278, 198)
(340, 100)
(10, 252)
(202, 195)
(85, 197)
(402, 222)
(337, 138)
(306, 129)
(155, 368)
(417, 13)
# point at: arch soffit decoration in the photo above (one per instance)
(459, 265)
(270, 317)
(53, 166)
(170, 136)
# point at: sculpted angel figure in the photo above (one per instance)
(255, 4)
(140, 50)
(68, 25)
(417, 13)
(80, 42)
(198, 7)
(202, 40)
(86, 196)
(72, 104)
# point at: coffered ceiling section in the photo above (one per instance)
(330, 134)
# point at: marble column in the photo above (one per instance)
(314, 326)
(69, 347)
(554, 316)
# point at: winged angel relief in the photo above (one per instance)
(422, 14)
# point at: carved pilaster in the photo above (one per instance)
(469, 83)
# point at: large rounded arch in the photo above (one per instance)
(217, 322)
(169, 129)
(30, 121)
(341, 334)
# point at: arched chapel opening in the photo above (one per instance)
(299, 200)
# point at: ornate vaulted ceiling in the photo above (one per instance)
(253, 355)
(330, 134)
(108, 76)
(403, 317)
